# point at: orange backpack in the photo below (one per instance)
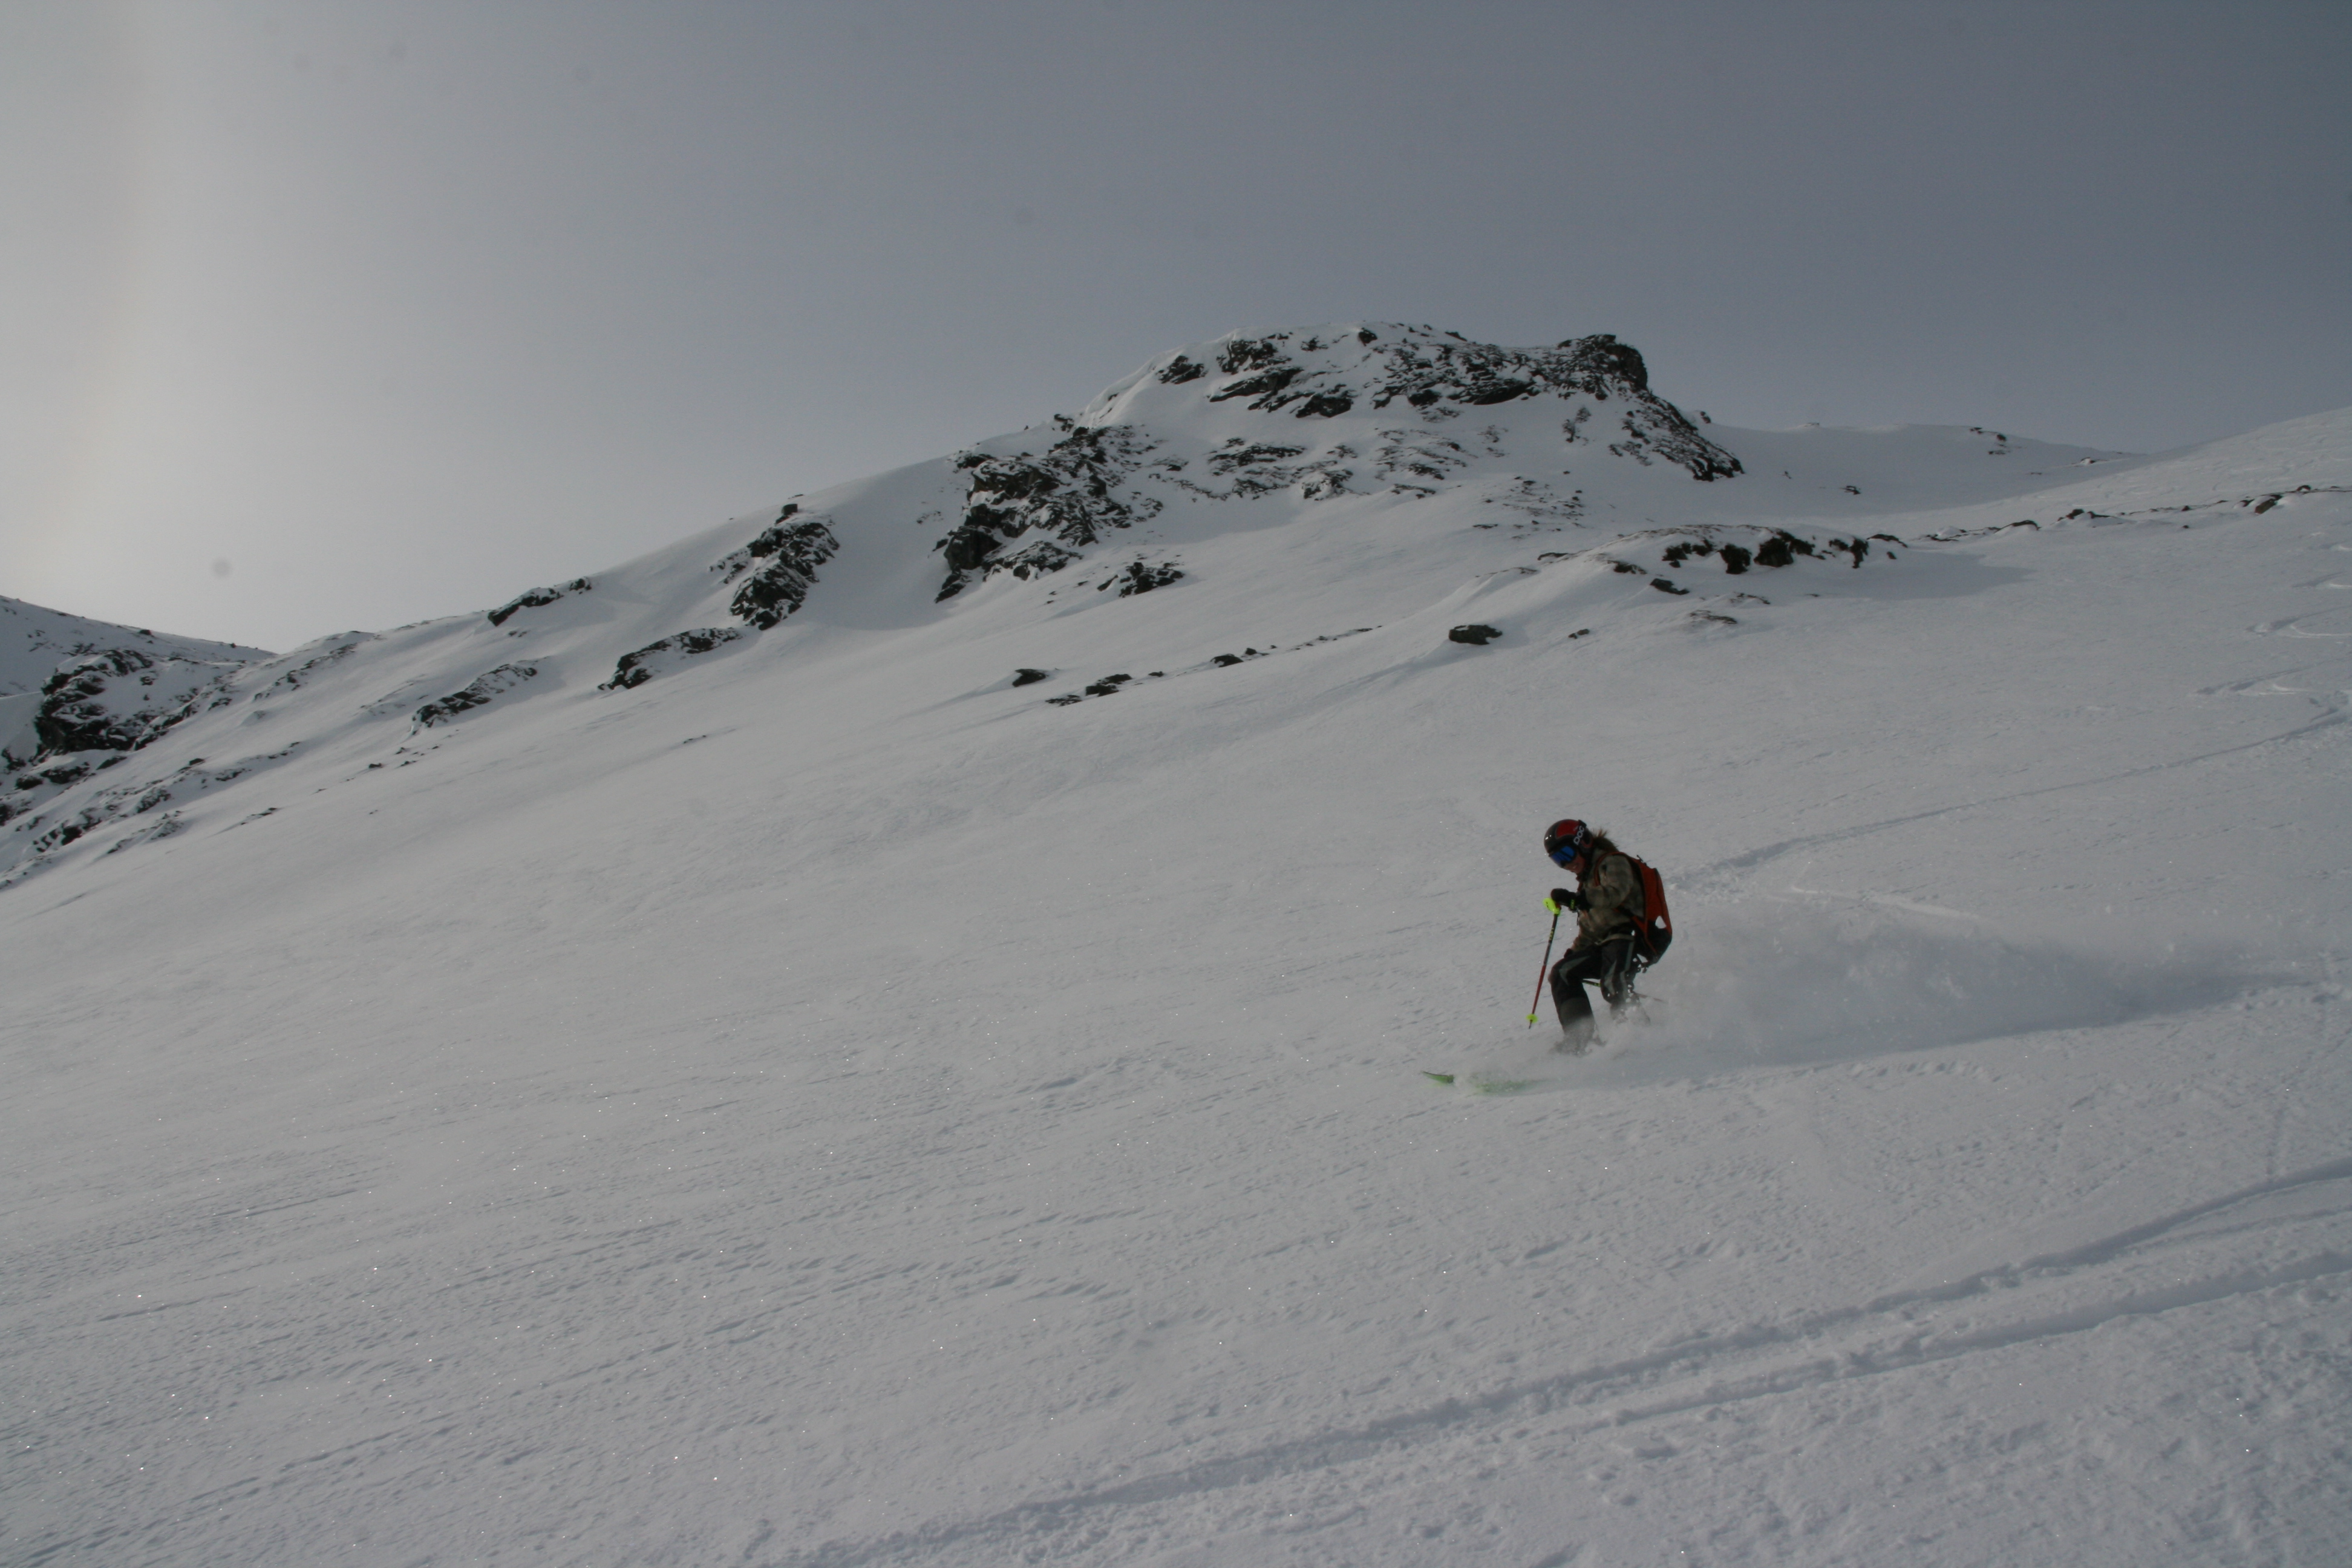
(1657, 931)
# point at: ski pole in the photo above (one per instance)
(1547, 966)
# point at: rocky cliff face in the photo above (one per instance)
(1343, 410)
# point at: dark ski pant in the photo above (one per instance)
(1607, 963)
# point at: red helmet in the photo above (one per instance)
(1565, 840)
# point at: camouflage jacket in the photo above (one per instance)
(1608, 897)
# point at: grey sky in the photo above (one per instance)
(328, 315)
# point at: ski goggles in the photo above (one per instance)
(1566, 855)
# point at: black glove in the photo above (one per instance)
(1562, 899)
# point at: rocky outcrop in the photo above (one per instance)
(781, 561)
(481, 692)
(1141, 578)
(1317, 376)
(104, 804)
(656, 658)
(120, 699)
(538, 598)
(1060, 501)
(1030, 513)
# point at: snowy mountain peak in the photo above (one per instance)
(1324, 372)
(1357, 409)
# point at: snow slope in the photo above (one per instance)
(836, 1100)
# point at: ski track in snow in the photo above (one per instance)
(823, 1103)
(1880, 1337)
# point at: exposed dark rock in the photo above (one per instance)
(1441, 377)
(1735, 558)
(1180, 370)
(1265, 388)
(537, 598)
(120, 699)
(1108, 684)
(65, 833)
(1782, 549)
(1263, 468)
(1030, 677)
(1475, 636)
(1664, 586)
(484, 690)
(1236, 455)
(635, 668)
(72, 718)
(782, 562)
(1068, 497)
(1141, 578)
(1224, 659)
(1248, 353)
(1035, 559)
(1625, 567)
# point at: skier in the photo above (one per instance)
(1614, 934)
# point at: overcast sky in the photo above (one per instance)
(332, 315)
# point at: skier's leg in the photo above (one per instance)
(1569, 1000)
(1617, 974)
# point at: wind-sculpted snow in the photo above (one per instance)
(34, 641)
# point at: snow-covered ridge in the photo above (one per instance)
(1398, 457)
(76, 693)
(1328, 371)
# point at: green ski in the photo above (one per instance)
(1480, 1083)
